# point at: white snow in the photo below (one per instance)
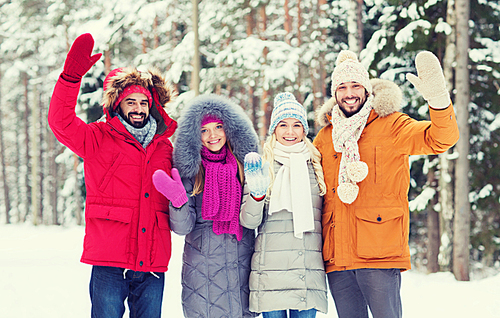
(42, 277)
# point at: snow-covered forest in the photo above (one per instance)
(250, 50)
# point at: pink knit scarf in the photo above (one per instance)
(222, 192)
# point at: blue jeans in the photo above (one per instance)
(109, 287)
(310, 313)
(355, 290)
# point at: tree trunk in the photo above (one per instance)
(41, 152)
(195, 76)
(17, 183)
(432, 225)
(355, 26)
(288, 22)
(446, 166)
(53, 180)
(461, 237)
(6, 188)
(107, 61)
(264, 99)
(253, 100)
(26, 119)
(156, 43)
(35, 189)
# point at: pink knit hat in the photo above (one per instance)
(210, 119)
(349, 69)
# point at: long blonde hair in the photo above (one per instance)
(199, 180)
(268, 155)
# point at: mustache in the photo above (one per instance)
(136, 113)
(350, 97)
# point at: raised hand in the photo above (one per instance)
(79, 59)
(430, 81)
(256, 175)
(171, 188)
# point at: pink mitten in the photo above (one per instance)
(79, 59)
(171, 188)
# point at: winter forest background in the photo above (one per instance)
(249, 50)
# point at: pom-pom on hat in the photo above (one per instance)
(286, 106)
(349, 69)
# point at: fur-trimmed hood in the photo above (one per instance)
(238, 128)
(117, 80)
(162, 93)
(387, 97)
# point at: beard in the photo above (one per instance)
(350, 111)
(134, 122)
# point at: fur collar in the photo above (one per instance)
(237, 126)
(387, 100)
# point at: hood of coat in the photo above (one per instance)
(387, 97)
(237, 127)
(162, 93)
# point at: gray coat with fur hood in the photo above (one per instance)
(215, 268)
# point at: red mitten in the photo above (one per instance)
(171, 188)
(79, 59)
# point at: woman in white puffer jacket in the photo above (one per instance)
(285, 204)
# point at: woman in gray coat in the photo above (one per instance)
(285, 204)
(213, 137)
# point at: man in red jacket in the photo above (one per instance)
(127, 234)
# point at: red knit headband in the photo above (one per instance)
(130, 90)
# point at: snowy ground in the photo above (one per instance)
(41, 276)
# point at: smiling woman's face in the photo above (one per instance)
(289, 131)
(213, 136)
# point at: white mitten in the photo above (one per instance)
(430, 81)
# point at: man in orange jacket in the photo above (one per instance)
(365, 147)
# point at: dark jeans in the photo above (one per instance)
(311, 313)
(355, 290)
(109, 287)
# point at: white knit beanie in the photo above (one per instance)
(286, 106)
(349, 69)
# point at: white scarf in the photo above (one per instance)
(345, 135)
(291, 189)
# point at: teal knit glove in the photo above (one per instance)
(256, 175)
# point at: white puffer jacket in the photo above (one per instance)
(287, 272)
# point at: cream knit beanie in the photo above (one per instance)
(349, 69)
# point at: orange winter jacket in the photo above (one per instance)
(373, 231)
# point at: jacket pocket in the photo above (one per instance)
(162, 244)
(328, 237)
(107, 234)
(379, 232)
(379, 159)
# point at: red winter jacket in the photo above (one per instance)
(127, 221)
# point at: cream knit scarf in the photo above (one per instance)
(345, 136)
(291, 189)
